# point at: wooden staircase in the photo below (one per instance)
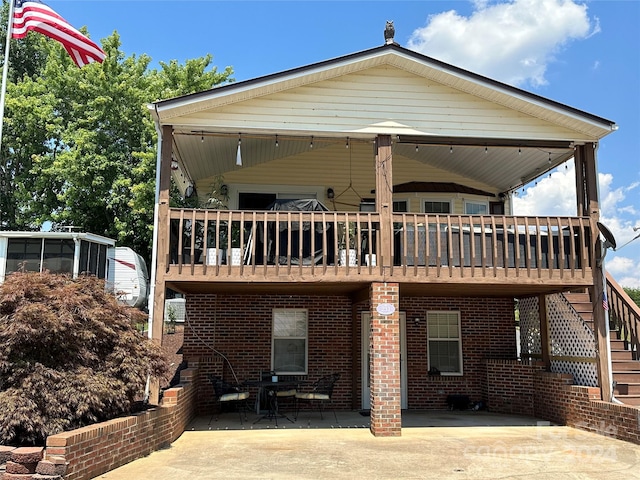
(624, 320)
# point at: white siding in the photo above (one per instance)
(380, 100)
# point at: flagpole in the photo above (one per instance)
(5, 68)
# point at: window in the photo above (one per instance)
(444, 343)
(437, 207)
(400, 206)
(24, 254)
(289, 341)
(474, 208)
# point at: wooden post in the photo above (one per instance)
(545, 344)
(578, 159)
(162, 248)
(588, 154)
(384, 197)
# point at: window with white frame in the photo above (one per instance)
(476, 208)
(437, 206)
(444, 342)
(289, 341)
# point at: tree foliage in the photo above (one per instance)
(70, 355)
(634, 293)
(79, 146)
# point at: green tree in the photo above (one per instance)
(70, 355)
(634, 293)
(80, 145)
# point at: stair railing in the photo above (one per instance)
(624, 314)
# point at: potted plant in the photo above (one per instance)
(172, 316)
(236, 248)
(347, 253)
(217, 199)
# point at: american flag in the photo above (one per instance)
(605, 304)
(35, 15)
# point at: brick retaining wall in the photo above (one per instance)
(557, 400)
(93, 450)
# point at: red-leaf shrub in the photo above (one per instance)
(70, 355)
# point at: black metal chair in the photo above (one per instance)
(320, 393)
(227, 394)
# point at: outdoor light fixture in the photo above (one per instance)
(174, 164)
(330, 193)
(239, 153)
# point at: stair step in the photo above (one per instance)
(625, 365)
(578, 297)
(616, 344)
(626, 376)
(633, 400)
(621, 355)
(627, 389)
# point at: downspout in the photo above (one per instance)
(76, 256)
(154, 250)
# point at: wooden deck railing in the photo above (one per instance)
(625, 315)
(233, 243)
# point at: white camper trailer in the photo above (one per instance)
(74, 253)
(67, 252)
(127, 277)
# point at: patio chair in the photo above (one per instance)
(287, 391)
(227, 394)
(320, 393)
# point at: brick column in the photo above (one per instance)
(384, 345)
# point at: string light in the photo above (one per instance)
(347, 144)
(486, 150)
(450, 149)
(239, 153)
(277, 144)
(202, 137)
(519, 151)
(311, 144)
(416, 148)
(549, 158)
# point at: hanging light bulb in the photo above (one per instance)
(519, 151)
(347, 144)
(486, 150)
(311, 144)
(450, 149)
(277, 144)
(416, 147)
(202, 137)
(239, 153)
(549, 158)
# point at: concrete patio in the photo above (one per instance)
(443, 444)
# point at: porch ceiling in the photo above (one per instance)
(359, 291)
(502, 164)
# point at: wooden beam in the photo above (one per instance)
(384, 197)
(162, 246)
(545, 344)
(581, 193)
(599, 317)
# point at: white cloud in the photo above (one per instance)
(511, 41)
(556, 195)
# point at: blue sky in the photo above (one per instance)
(585, 54)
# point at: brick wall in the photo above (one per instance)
(510, 386)
(240, 328)
(557, 400)
(96, 449)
